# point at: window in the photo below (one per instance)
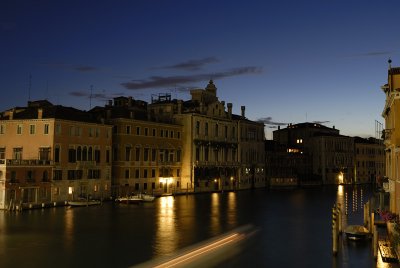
(145, 173)
(226, 132)
(107, 156)
(166, 133)
(146, 131)
(206, 129)
(145, 186)
(137, 154)
(3, 153)
(137, 175)
(58, 129)
(2, 129)
(153, 173)
(128, 153)
(57, 154)
(179, 134)
(19, 129)
(71, 174)
(46, 129)
(30, 176)
(153, 155)
(197, 153)
(128, 129)
(197, 127)
(90, 154)
(172, 134)
(137, 130)
(178, 155)
(57, 175)
(161, 133)
(45, 176)
(44, 153)
(126, 173)
(216, 130)
(71, 155)
(178, 172)
(17, 153)
(97, 155)
(13, 178)
(154, 132)
(146, 154)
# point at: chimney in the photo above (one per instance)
(229, 105)
(40, 113)
(243, 110)
(179, 106)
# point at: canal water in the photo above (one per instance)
(293, 228)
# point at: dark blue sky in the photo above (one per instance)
(286, 61)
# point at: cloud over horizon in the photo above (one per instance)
(176, 81)
(191, 65)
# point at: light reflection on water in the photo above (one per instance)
(166, 233)
(69, 228)
(215, 214)
(296, 224)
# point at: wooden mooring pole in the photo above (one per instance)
(375, 241)
(334, 232)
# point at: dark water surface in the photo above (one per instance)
(294, 230)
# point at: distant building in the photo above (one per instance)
(391, 136)
(147, 154)
(220, 150)
(316, 153)
(369, 160)
(52, 153)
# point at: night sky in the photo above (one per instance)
(286, 61)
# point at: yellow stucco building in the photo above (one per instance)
(51, 154)
(391, 135)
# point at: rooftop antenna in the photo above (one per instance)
(47, 89)
(29, 87)
(90, 98)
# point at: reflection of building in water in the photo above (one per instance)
(232, 216)
(166, 233)
(341, 201)
(215, 214)
(69, 228)
(357, 199)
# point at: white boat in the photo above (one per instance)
(129, 199)
(356, 232)
(146, 197)
(83, 203)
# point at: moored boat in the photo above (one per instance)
(129, 199)
(83, 203)
(146, 197)
(356, 232)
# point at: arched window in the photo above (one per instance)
(45, 176)
(84, 154)
(90, 154)
(79, 153)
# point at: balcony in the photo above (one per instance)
(387, 134)
(25, 162)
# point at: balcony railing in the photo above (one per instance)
(25, 162)
(386, 134)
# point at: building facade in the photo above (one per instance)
(146, 154)
(391, 136)
(52, 154)
(220, 150)
(369, 160)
